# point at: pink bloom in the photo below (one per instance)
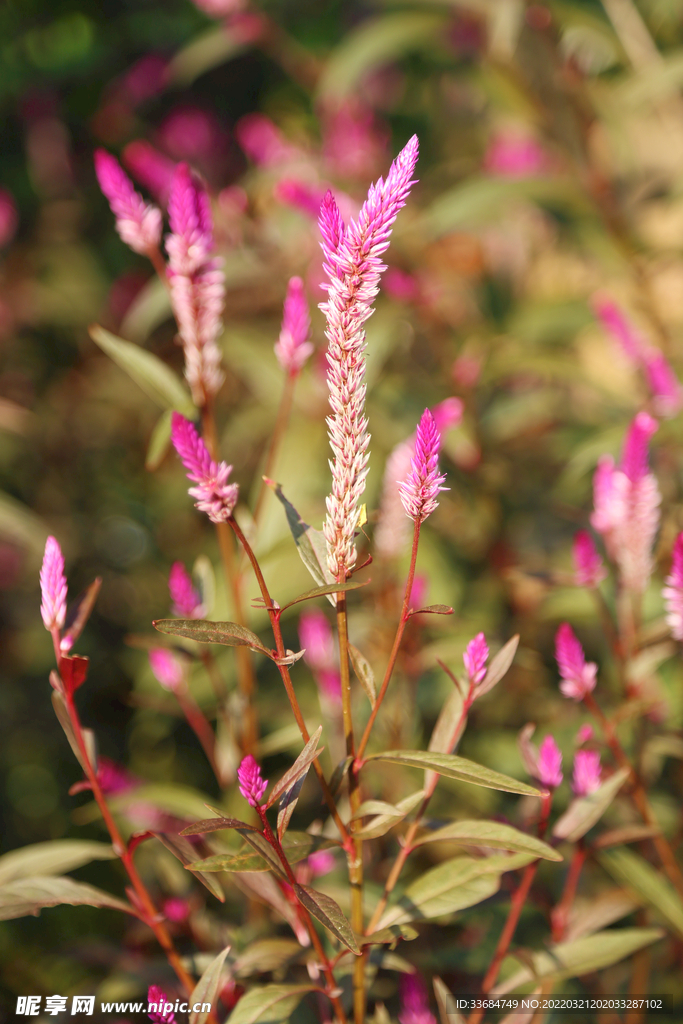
(175, 909)
(53, 586)
(414, 1001)
(422, 485)
(317, 640)
(166, 667)
(419, 590)
(475, 658)
(400, 285)
(664, 384)
(584, 734)
(549, 764)
(214, 494)
(263, 142)
(300, 195)
(673, 591)
(137, 222)
(252, 786)
(157, 1001)
(620, 327)
(151, 168)
(293, 347)
(190, 133)
(9, 218)
(586, 772)
(354, 145)
(354, 268)
(144, 79)
(578, 675)
(466, 370)
(447, 414)
(113, 777)
(187, 603)
(321, 863)
(219, 8)
(513, 154)
(589, 570)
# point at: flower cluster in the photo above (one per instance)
(475, 658)
(587, 772)
(578, 675)
(252, 786)
(137, 222)
(421, 486)
(214, 494)
(589, 570)
(157, 998)
(293, 347)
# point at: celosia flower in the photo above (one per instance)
(414, 1001)
(175, 909)
(197, 283)
(293, 347)
(113, 777)
(166, 667)
(589, 570)
(186, 602)
(400, 285)
(300, 195)
(191, 133)
(584, 734)
(9, 219)
(549, 764)
(53, 586)
(157, 1001)
(354, 144)
(422, 485)
(214, 494)
(317, 641)
(475, 658)
(137, 222)
(321, 863)
(578, 675)
(354, 267)
(514, 154)
(586, 772)
(620, 327)
(666, 388)
(252, 786)
(150, 167)
(673, 591)
(263, 142)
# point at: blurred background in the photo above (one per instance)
(551, 179)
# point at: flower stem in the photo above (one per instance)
(560, 915)
(200, 727)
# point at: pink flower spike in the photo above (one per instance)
(321, 863)
(157, 1003)
(414, 1001)
(186, 600)
(448, 414)
(475, 658)
(53, 586)
(166, 667)
(150, 167)
(607, 497)
(673, 591)
(634, 460)
(664, 384)
(189, 215)
(263, 142)
(578, 675)
(620, 327)
(138, 223)
(113, 777)
(586, 772)
(549, 764)
(332, 230)
(299, 195)
(293, 347)
(589, 570)
(214, 494)
(584, 734)
(252, 786)
(420, 488)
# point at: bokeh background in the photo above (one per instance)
(551, 170)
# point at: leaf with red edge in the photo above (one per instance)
(215, 825)
(433, 609)
(499, 666)
(80, 611)
(299, 768)
(324, 909)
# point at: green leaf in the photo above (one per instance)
(434, 609)
(209, 50)
(155, 378)
(388, 816)
(230, 634)
(324, 909)
(206, 989)
(625, 834)
(388, 935)
(150, 308)
(310, 543)
(451, 766)
(159, 442)
(298, 769)
(640, 878)
(184, 851)
(328, 588)
(19, 524)
(582, 956)
(449, 725)
(52, 858)
(585, 811)
(364, 673)
(265, 956)
(259, 843)
(59, 705)
(499, 666)
(214, 825)
(272, 1004)
(491, 833)
(28, 896)
(297, 846)
(448, 1013)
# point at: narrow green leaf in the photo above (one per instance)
(297, 846)
(159, 442)
(499, 666)
(328, 588)
(388, 935)
(184, 851)
(640, 878)
(214, 825)
(27, 896)
(448, 1013)
(491, 833)
(272, 1004)
(259, 843)
(585, 811)
(451, 766)
(324, 909)
(52, 858)
(364, 673)
(625, 834)
(298, 769)
(434, 609)
(387, 818)
(265, 956)
(449, 725)
(230, 634)
(310, 543)
(155, 378)
(206, 989)
(59, 705)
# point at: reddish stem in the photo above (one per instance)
(560, 915)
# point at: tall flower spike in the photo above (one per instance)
(586, 772)
(354, 268)
(157, 998)
(197, 283)
(475, 658)
(252, 786)
(414, 1001)
(578, 675)
(549, 764)
(53, 586)
(589, 570)
(214, 494)
(137, 222)
(422, 485)
(673, 591)
(293, 347)
(186, 602)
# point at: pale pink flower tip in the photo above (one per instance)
(293, 347)
(475, 657)
(214, 494)
(589, 570)
(414, 1001)
(584, 734)
(186, 602)
(137, 222)
(586, 772)
(673, 591)
(420, 488)
(53, 586)
(549, 764)
(166, 667)
(157, 998)
(578, 675)
(252, 786)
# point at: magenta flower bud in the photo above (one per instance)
(293, 347)
(300, 195)
(252, 786)
(9, 218)
(619, 327)
(414, 1001)
(332, 230)
(150, 167)
(475, 658)
(166, 667)
(186, 602)
(549, 764)
(447, 414)
(589, 570)
(158, 999)
(321, 863)
(514, 154)
(137, 222)
(400, 285)
(113, 777)
(635, 457)
(317, 641)
(420, 488)
(53, 586)
(666, 388)
(584, 734)
(262, 141)
(214, 494)
(189, 214)
(176, 909)
(673, 591)
(586, 772)
(578, 675)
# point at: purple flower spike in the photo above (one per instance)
(578, 675)
(214, 494)
(475, 657)
(157, 1001)
(293, 347)
(414, 1001)
(589, 570)
(252, 786)
(137, 222)
(673, 591)
(549, 764)
(166, 667)
(53, 586)
(420, 488)
(586, 772)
